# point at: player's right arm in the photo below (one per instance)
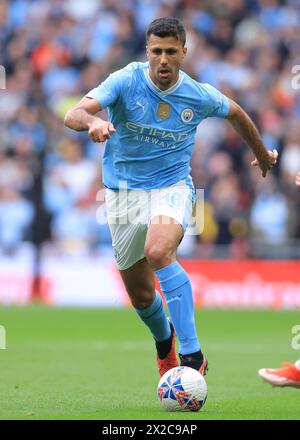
(82, 117)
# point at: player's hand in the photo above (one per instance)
(266, 163)
(297, 180)
(100, 131)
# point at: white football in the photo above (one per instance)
(182, 389)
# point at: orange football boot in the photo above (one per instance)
(193, 362)
(169, 361)
(287, 376)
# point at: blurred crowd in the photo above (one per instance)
(55, 51)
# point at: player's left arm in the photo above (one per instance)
(243, 124)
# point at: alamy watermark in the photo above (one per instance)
(296, 77)
(2, 338)
(177, 202)
(296, 339)
(2, 77)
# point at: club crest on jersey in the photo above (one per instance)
(187, 115)
(163, 110)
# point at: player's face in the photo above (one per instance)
(165, 56)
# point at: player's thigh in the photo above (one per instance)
(140, 284)
(163, 236)
(171, 209)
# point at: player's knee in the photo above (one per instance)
(158, 256)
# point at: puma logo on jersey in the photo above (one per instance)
(139, 104)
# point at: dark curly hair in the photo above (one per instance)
(167, 27)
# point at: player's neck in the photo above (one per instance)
(160, 86)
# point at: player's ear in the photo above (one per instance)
(184, 50)
(147, 51)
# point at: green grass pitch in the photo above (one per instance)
(100, 364)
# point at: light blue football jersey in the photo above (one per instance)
(155, 129)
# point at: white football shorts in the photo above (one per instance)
(129, 213)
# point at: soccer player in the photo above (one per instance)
(154, 109)
(289, 374)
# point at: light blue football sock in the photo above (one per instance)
(155, 318)
(177, 289)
